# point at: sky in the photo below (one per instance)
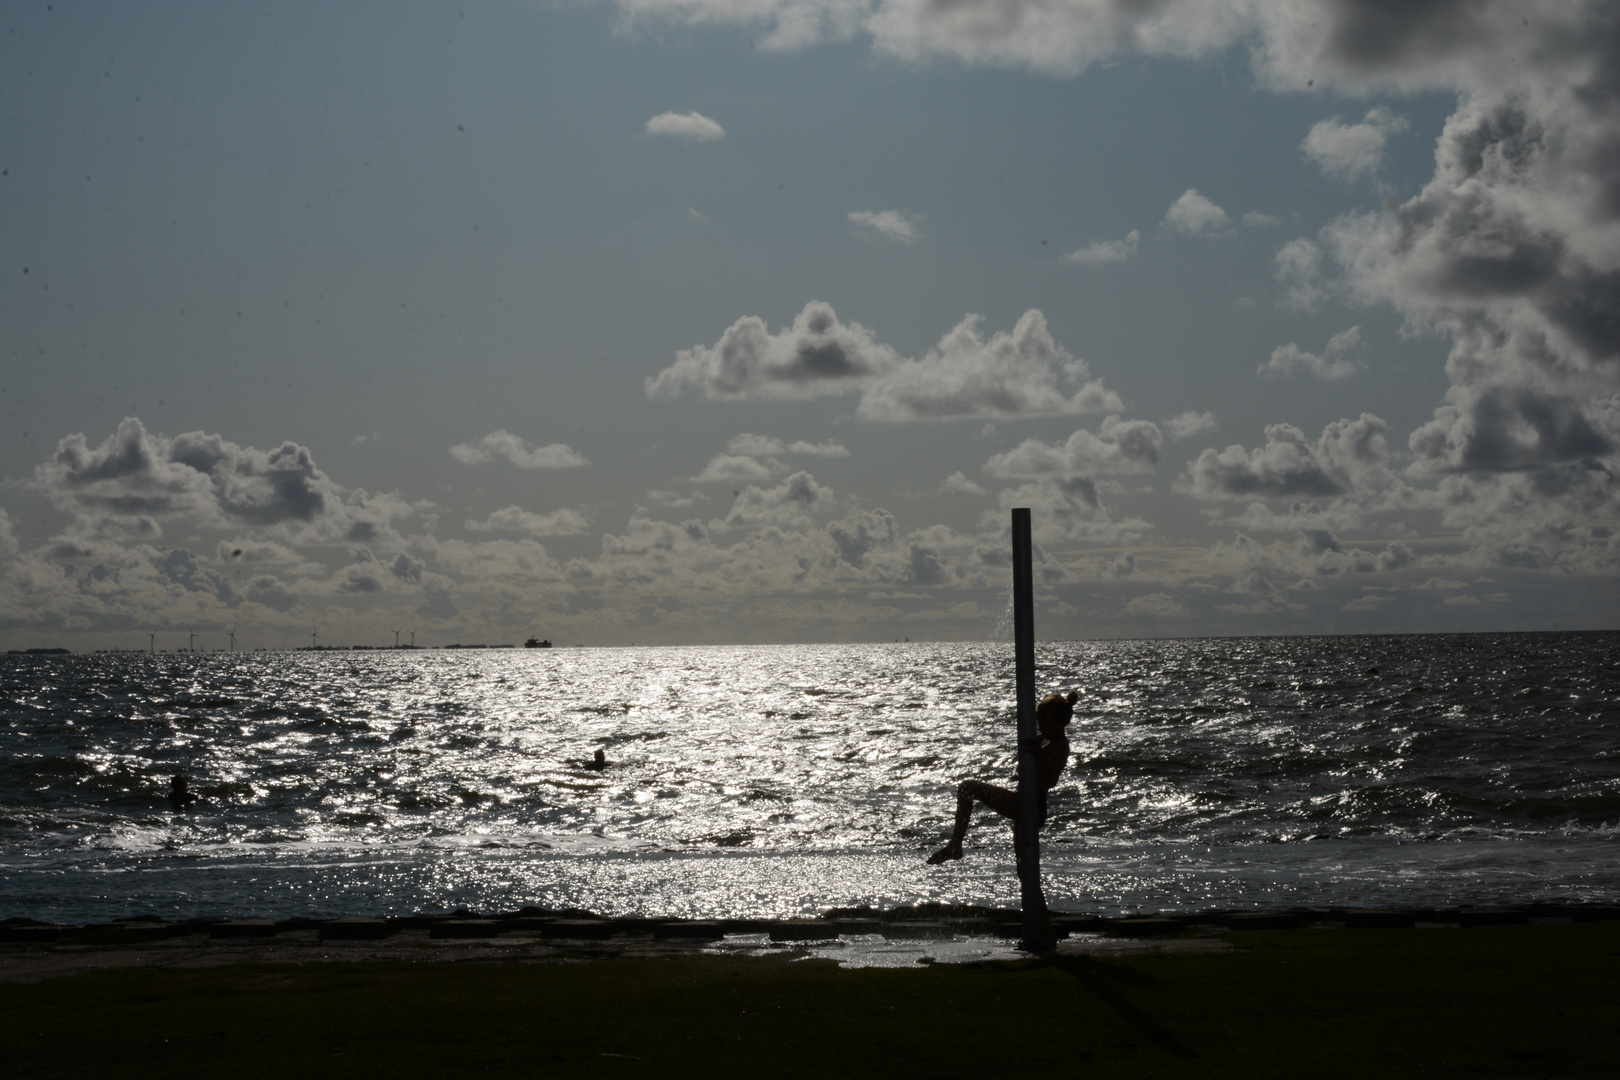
(704, 321)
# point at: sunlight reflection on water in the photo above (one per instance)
(786, 779)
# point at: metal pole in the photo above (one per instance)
(1029, 843)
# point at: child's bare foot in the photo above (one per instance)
(945, 854)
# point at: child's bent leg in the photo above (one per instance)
(999, 799)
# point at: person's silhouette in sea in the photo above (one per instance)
(180, 796)
(598, 762)
(1052, 753)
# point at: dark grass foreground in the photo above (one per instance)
(1511, 1001)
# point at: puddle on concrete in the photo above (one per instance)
(874, 950)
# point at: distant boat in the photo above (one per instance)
(537, 643)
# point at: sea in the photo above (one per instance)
(783, 780)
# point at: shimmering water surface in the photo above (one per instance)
(787, 779)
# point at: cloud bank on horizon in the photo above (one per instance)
(1510, 254)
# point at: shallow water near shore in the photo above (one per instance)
(782, 780)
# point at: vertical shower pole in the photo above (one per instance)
(1029, 843)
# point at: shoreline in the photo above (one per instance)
(31, 950)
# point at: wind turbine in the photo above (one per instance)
(151, 645)
(396, 639)
(233, 638)
(191, 640)
(313, 638)
(413, 638)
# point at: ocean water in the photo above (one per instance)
(783, 780)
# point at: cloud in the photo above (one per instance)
(1160, 605)
(861, 533)
(828, 449)
(1338, 44)
(768, 446)
(1069, 509)
(1351, 455)
(1341, 45)
(1512, 250)
(676, 500)
(268, 590)
(518, 451)
(1352, 151)
(958, 484)
(1288, 360)
(1102, 252)
(965, 376)
(1189, 424)
(564, 522)
(1441, 585)
(407, 568)
(895, 225)
(787, 505)
(688, 125)
(734, 468)
(134, 474)
(1011, 374)
(817, 356)
(1311, 555)
(1118, 446)
(1299, 270)
(1300, 516)
(1193, 214)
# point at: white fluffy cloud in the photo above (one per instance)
(815, 357)
(1352, 151)
(135, 480)
(688, 125)
(134, 474)
(895, 225)
(1193, 214)
(1102, 252)
(1069, 509)
(1010, 374)
(1351, 456)
(1332, 363)
(1189, 424)
(1299, 270)
(502, 444)
(788, 505)
(958, 484)
(768, 446)
(1117, 446)
(1021, 373)
(1344, 45)
(564, 522)
(734, 468)
(1159, 605)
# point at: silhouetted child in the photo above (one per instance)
(598, 762)
(1052, 753)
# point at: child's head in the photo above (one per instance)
(1056, 710)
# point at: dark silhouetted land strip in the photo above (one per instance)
(1536, 1000)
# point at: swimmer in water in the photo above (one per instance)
(598, 762)
(180, 797)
